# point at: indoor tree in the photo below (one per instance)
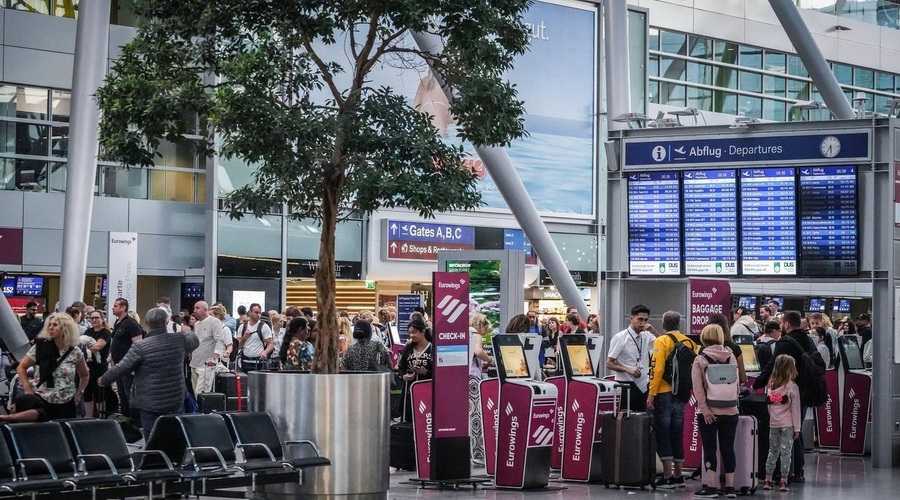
(286, 87)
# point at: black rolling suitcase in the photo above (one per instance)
(403, 447)
(234, 386)
(628, 447)
(211, 402)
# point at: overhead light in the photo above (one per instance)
(809, 105)
(893, 106)
(669, 123)
(839, 27)
(691, 111)
(641, 120)
(743, 121)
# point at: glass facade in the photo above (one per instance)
(726, 77)
(121, 11)
(34, 149)
(881, 12)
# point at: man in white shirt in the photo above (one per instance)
(629, 356)
(255, 342)
(205, 357)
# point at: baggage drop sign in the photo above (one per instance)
(708, 296)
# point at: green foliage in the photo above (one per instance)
(318, 134)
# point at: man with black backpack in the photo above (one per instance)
(670, 389)
(797, 344)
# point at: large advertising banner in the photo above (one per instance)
(708, 296)
(828, 416)
(123, 269)
(560, 124)
(484, 285)
(451, 376)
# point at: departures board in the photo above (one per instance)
(783, 221)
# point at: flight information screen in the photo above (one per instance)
(710, 222)
(828, 221)
(654, 223)
(768, 221)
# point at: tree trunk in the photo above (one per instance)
(326, 357)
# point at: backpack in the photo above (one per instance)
(810, 375)
(678, 368)
(721, 384)
(763, 352)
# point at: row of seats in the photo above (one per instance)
(192, 454)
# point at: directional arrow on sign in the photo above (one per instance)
(394, 246)
(394, 228)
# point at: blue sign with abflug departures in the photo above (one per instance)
(750, 149)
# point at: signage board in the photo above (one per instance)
(743, 150)
(654, 224)
(829, 223)
(485, 283)
(710, 222)
(708, 296)
(422, 241)
(123, 269)
(406, 305)
(768, 222)
(515, 239)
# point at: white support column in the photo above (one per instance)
(91, 51)
(615, 41)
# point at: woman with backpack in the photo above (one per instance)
(716, 387)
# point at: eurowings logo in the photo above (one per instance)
(490, 404)
(451, 308)
(714, 289)
(509, 409)
(692, 400)
(422, 407)
(543, 436)
(852, 394)
(575, 405)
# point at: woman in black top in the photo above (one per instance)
(549, 345)
(96, 367)
(417, 361)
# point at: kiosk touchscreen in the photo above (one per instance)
(587, 398)
(748, 354)
(851, 354)
(525, 420)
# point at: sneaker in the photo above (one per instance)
(767, 485)
(664, 483)
(677, 481)
(729, 492)
(797, 479)
(706, 492)
(783, 486)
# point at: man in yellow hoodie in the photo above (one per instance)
(668, 409)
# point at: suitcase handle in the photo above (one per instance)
(626, 391)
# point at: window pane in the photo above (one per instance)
(725, 52)
(750, 106)
(725, 102)
(23, 102)
(24, 138)
(180, 154)
(59, 142)
(774, 86)
(884, 82)
(653, 65)
(61, 105)
(775, 61)
(56, 181)
(798, 90)
(751, 82)
(699, 98)
(654, 39)
(672, 68)
(864, 78)
(673, 95)
(200, 183)
(673, 43)
(795, 66)
(701, 47)
(843, 73)
(726, 77)
(123, 182)
(880, 102)
(751, 56)
(31, 175)
(699, 73)
(653, 88)
(250, 236)
(7, 174)
(774, 110)
(171, 186)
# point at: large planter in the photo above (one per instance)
(347, 415)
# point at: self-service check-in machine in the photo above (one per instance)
(527, 410)
(489, 395)
(594, 343)
(856, 414)
(587, 397)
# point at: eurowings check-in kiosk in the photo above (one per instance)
(526, 419)
(856, 414)
(594, 344)
(587, 397)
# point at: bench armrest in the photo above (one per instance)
(141, 453)
(83, 459)
(192, 451)
(43, 461)
(257, 446)
(304, 442)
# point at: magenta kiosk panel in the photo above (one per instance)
(489, 390)
(693, 446)
(556, 453)
(526, 420)
(857, 411)
(828, 416)
(587, 397)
